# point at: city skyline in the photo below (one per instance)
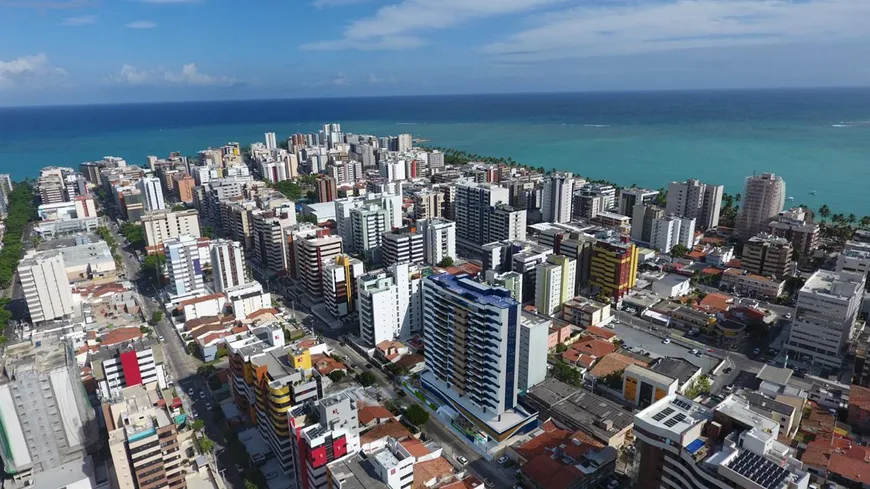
(167, 50)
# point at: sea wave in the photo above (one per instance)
(596, 125)
(842, 125)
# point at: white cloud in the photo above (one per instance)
(649, 26)
(398, 26)
(189, 75)
(79, 20)
(28, 69)
(141, 24)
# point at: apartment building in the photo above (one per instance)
(439, 239)
(534, 345)
(229, 268)
(768, 255)
(340, 285)
(473, 203)
(630, 197)
(670, 231)
(696, 200)
(183, 266)
(558, 194)
(429, 204)
(162, 225)
(334, 435)
(403, 245)
(270, 247)
(124, 365)
(310, 253)
(796, 225)
(642, 218)
(613, 269)
(763, 200)
(369, 224)
(45, 286)
(152, 193)
(390, 303)
(554, 283)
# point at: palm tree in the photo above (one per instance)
(865, 222)
(824, 211)
(851, 219)
(737, 198)
(837, 218)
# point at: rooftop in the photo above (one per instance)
(473, 291)
(581, 409)
(776, 375)
(355, 472)
(833, 284)
(675, 414)
(675, 368)
(614, 363)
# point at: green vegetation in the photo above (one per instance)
(300, 217)
(21, 210)
(699, 387)
(366, 379)
(106, 235)
(145, 330)
(395, 370)
(416, 415)
(447, 261)
(661, 199)
(134, 233)
(290, 189)
(613, 380)
(567, 374)
(204, 444)
(156, 317)
(207, 232)
(3, 339)
(206, 370)
(5, 315)
(336, 376)
(679, 251)
(179, 207)
(561, 348)
(458, 157)
(198, 425)
(840, 227)
(152, 269)
(728, 213)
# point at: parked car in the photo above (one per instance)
(693, 351)
(488, 483)
(728, 370)
(462, 460)
(501, 460)
(756, 351)
(788, 315)
(666, 341)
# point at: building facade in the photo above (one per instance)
(693, 199)
(183, 266)
(763, 200)
(558, 197)
(46, 287)
(554, 283)
(613, 270)
(229, 268)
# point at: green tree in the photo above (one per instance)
(567, 374)
(206, 370)
(699, 387)
(366, 379)
(290, 189)
(205, 444)
(134, 233)
(824, 211)
(300, 217)
(198, 425)
(865, 222)
(447, 261)
(179, 207)
(336, 375)
(251, 485)
(19, 212)
(3, 339)
(679, 251)
(613, 379)
(152, 269)
(156, 317)
(416, 415)
(561, 348)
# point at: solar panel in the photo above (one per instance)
(682, 404)
(662, 414)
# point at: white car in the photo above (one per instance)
(501, 460)
(462, 460)
(666, 341)
(693, 351)
(788, 315)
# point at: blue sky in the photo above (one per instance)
(87, 51)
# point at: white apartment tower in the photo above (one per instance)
(390, 304)
(763, 199)
(228, 264)
(554, 283)
(164, 224)
(271, 142)
(697, 200)
(473, 203)
(368, 224)
(534, 336)
(824, 319)
(669, 231)
(439, 239)
(183, 266)
(152, 193)
(558, 197)
(406, 142)
(45, 286)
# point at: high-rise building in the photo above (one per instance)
(339, 285)
(439, 239)
(48, 422)
(694, 199)
(270, 247)
(403, 246)
(796, 225)
(152, 193)
(390, 303)
(228, 264)
(183, 266)
(630, 197)
(164, 224)
(406, 142)
(435, 159)
(143, 441)
(534, 336)
(763, 199)
(827, 307)
(334, 435)
(368, 224)
(327, 191)
(558, 197)
(429, 204)
(46, 286)
(184, 184)
(123, 365)
(51, 189)
(473, 203)
(5, 187)
(311, 252)
(271, 142)
(642, 221)
(577, 246)
(768, 255)
(504, 223)
(554, 283)
(524, 259)
(670, 231)
(85, 207)
(613, 267)
(391, 203)
(513, 281)
(472, 348)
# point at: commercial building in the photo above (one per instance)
(854, 259)
(642, 218)
(768, 255)
(763, 199)
(310, 253)
(162, 225)
(534, 344)
(472, 349)
(681, 444)
(152, 193)
(670, 231)
(439, 239)
(824, 320)
(630, 197)
(796, 225)
(696, 200)
(183, 266)
(558, 197)
(403, 245)
(229, 268)
(743, 282)
(554, 283)
(123, 365)
(613, 270)
(340, 285)
(390, 303)
(46, 287)
(144, 441)
(48, 422)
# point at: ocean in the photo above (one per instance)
(818, 140)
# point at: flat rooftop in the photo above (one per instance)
(833, 284)
(584, 409)
(473, 291)
(675, 414)
(355, 472)
(675, 368)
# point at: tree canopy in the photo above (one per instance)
(416, 415)
(20, 211)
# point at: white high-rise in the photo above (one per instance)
(271, 142)
(697, 200)
(439, 239)
(390, 304)
(228, 264)
(343, 223)
(46, 286)
(554, 283)
(824, 319)
(763, 199)
(558, 197)
(152, 193)
(369, 224)
(183, 266)
(473, 203)
(406, 141)
(669, 231)
(534, 343)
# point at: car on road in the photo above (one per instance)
(613, 484)
(728, 370)
(160, 339)
(756, 351)
(699, 354)
(190, 392)
(462, 460)
(787, 315)
(240, 469)
(488, 483)
(666, 341)
(201, 393)
(208, 405)
(501, 460)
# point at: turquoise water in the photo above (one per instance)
(818, 140)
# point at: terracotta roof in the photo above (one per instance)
(586, 360)
(120, 335)
(553, 437)
(711, 271)
(410, 360)
(415, 447)
(859, 397)
(470, 482)
(306, 344)
(571, 356)
(716, 302)
(601, 332)
(851, 464)
(260, 312)
(392, 429)
(614, 362)
(439, 469)
(594, 346)
(368, 414)
(548, 472)
(326, 365)
(197, 300)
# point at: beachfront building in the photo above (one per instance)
(763, 200)
(670, 231)
(630, 197)
(693, 199)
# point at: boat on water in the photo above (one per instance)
(791, 198)
(813, 192)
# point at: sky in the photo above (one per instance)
(107, 51)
